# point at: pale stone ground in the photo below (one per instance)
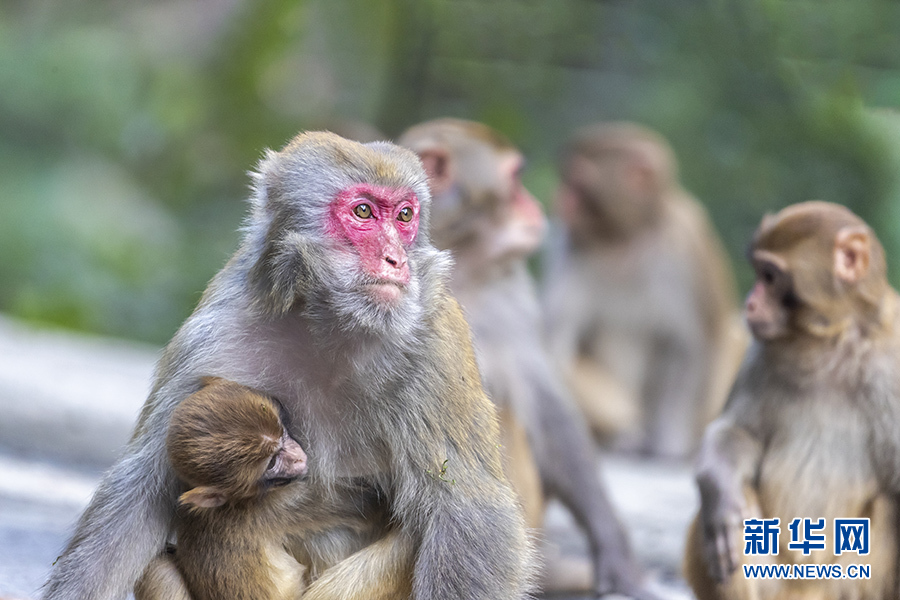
(67, 405)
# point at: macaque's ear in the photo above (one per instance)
(203, 497)
(852, 250)
(439, 168)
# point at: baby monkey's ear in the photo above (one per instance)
(203, 497)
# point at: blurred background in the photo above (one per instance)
(127, 128)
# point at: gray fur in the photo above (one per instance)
(367, 389)
(506, 321)
(491, 241)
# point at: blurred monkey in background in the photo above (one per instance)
(640, 298)
(491, 223)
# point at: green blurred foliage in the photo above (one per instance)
(127, 129)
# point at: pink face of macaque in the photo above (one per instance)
(380, 223)
(767, 308)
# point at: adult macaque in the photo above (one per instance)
(811, 427)
(335, 304)
(491, 223)
(244, 509)
(640, 297)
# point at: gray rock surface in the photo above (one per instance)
(69, 397)
(39, 504)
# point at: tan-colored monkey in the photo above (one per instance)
(491, 223)
(228, 444)
(335, 304)
(811, 427)
(642, 311)
(242, 510)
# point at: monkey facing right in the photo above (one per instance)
(811, 429)
(491, 223)
(336, 304)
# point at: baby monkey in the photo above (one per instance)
(242, 524)
(227, 443)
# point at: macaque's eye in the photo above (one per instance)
(272, 462)
(790, 301)
(768, 274)
(405, 215)
(363, 211)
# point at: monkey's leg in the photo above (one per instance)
(161, 581)
(380, 571)
(696, 572)
(569, 471)
(609, 407)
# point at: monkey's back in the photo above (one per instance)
(233, 554)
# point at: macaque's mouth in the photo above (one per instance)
(386, 282)
(385, 291)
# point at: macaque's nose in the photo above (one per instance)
(396, 260)
(751, 305)
(393, 264)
